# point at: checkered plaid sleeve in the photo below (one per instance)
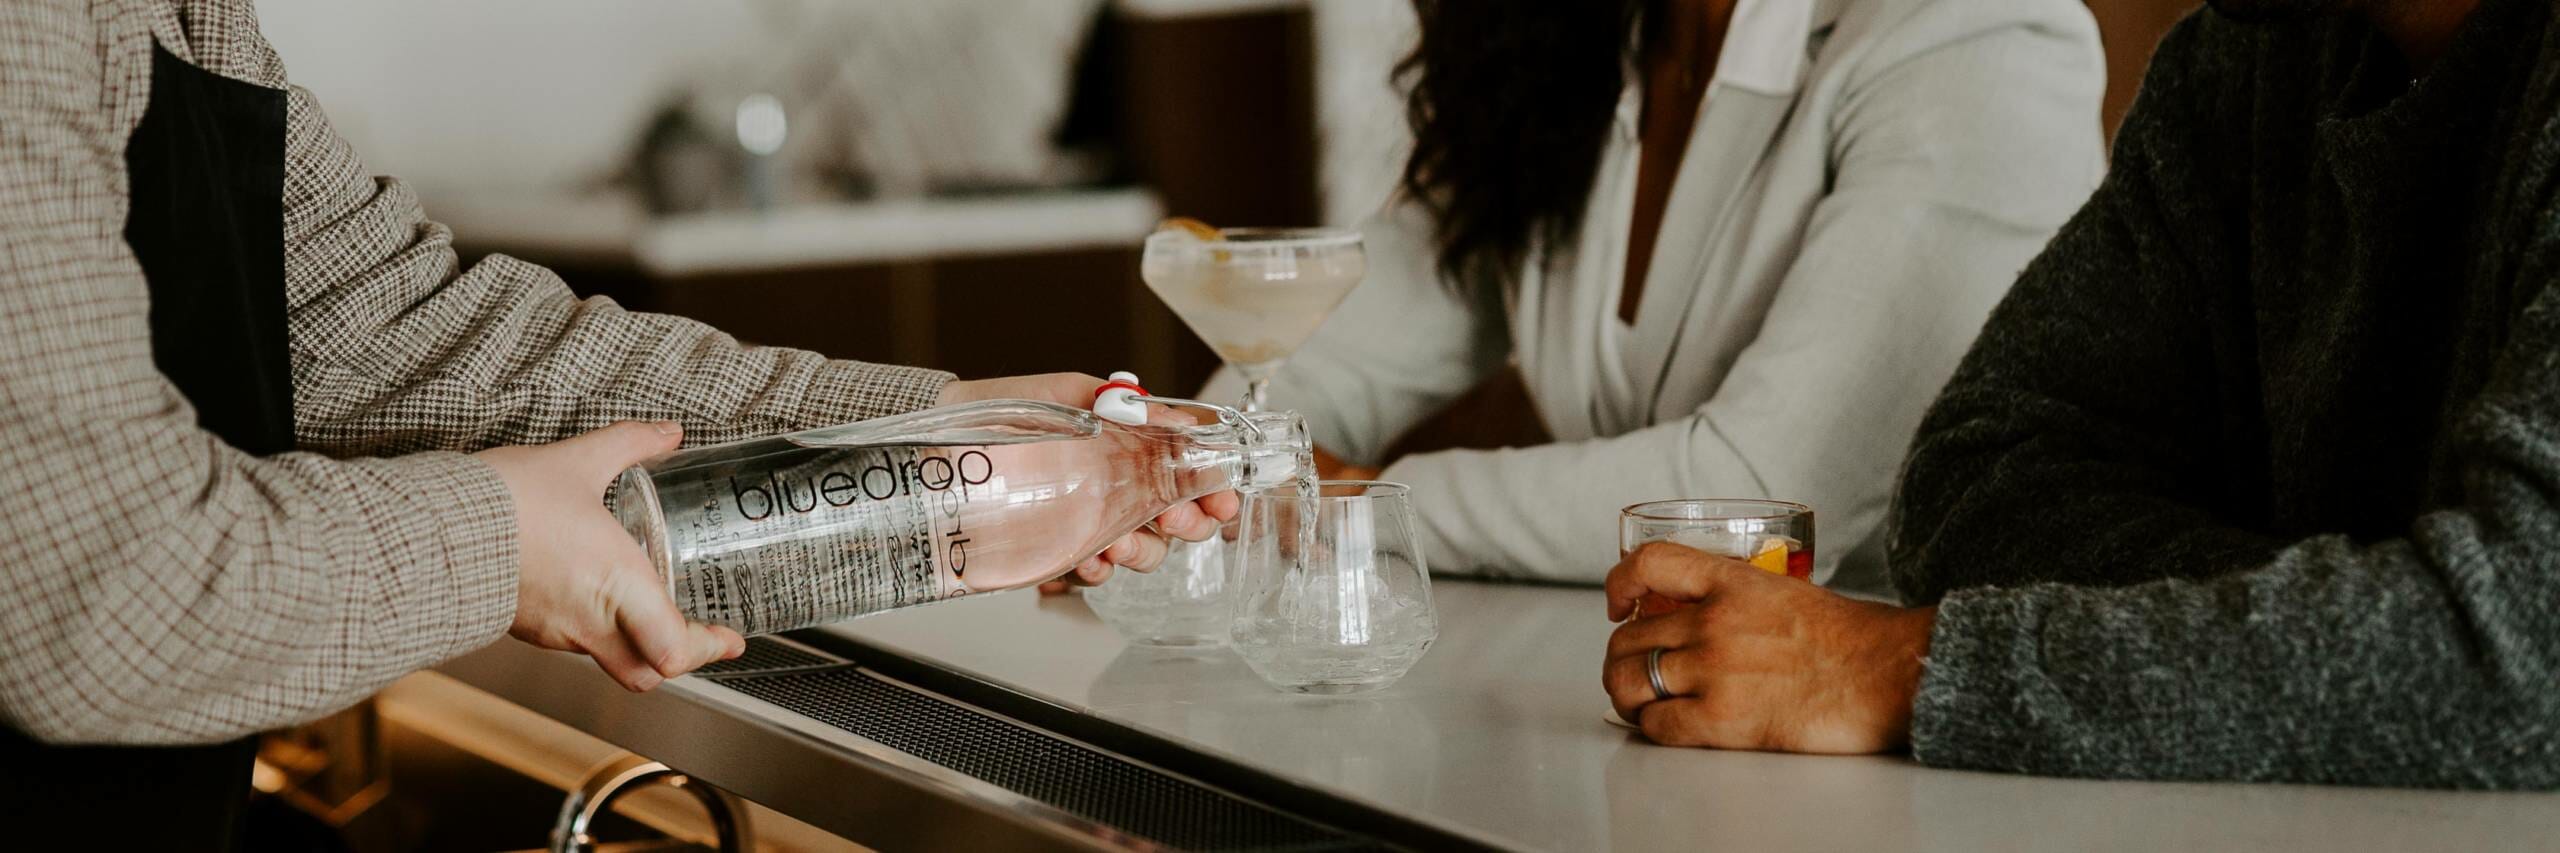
(398, 347)
(157, 585)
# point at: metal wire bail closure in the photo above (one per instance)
(1225, 415)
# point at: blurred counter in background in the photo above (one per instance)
(615, 231)
(981, 286)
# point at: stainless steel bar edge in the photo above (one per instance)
(864, 791)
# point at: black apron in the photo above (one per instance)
(207, 224)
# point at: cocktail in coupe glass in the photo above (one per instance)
(1254, 295)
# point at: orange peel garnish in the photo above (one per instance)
(1202, 230)
(1772, 558)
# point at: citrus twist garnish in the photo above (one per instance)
(1772, 557)
(1198, 229)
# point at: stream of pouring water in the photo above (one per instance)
(1294, 583)
(1308, 509)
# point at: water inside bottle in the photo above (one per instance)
(788, 531)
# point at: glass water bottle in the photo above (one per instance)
(794, 530)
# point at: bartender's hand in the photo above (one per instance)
(1759, 660)
(1141, 550)
(584, 586)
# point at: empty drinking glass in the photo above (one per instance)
(1182, 603)
(1332, 591)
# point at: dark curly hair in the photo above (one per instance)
(1510, 105)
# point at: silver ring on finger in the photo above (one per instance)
(1653, 672)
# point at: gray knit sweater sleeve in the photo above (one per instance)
(2175, 646)
(2430, 660)
(2067, 445)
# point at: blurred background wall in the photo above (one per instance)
(956, 183)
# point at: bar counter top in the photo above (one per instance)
(1498, 736)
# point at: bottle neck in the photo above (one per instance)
(1263, 451)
